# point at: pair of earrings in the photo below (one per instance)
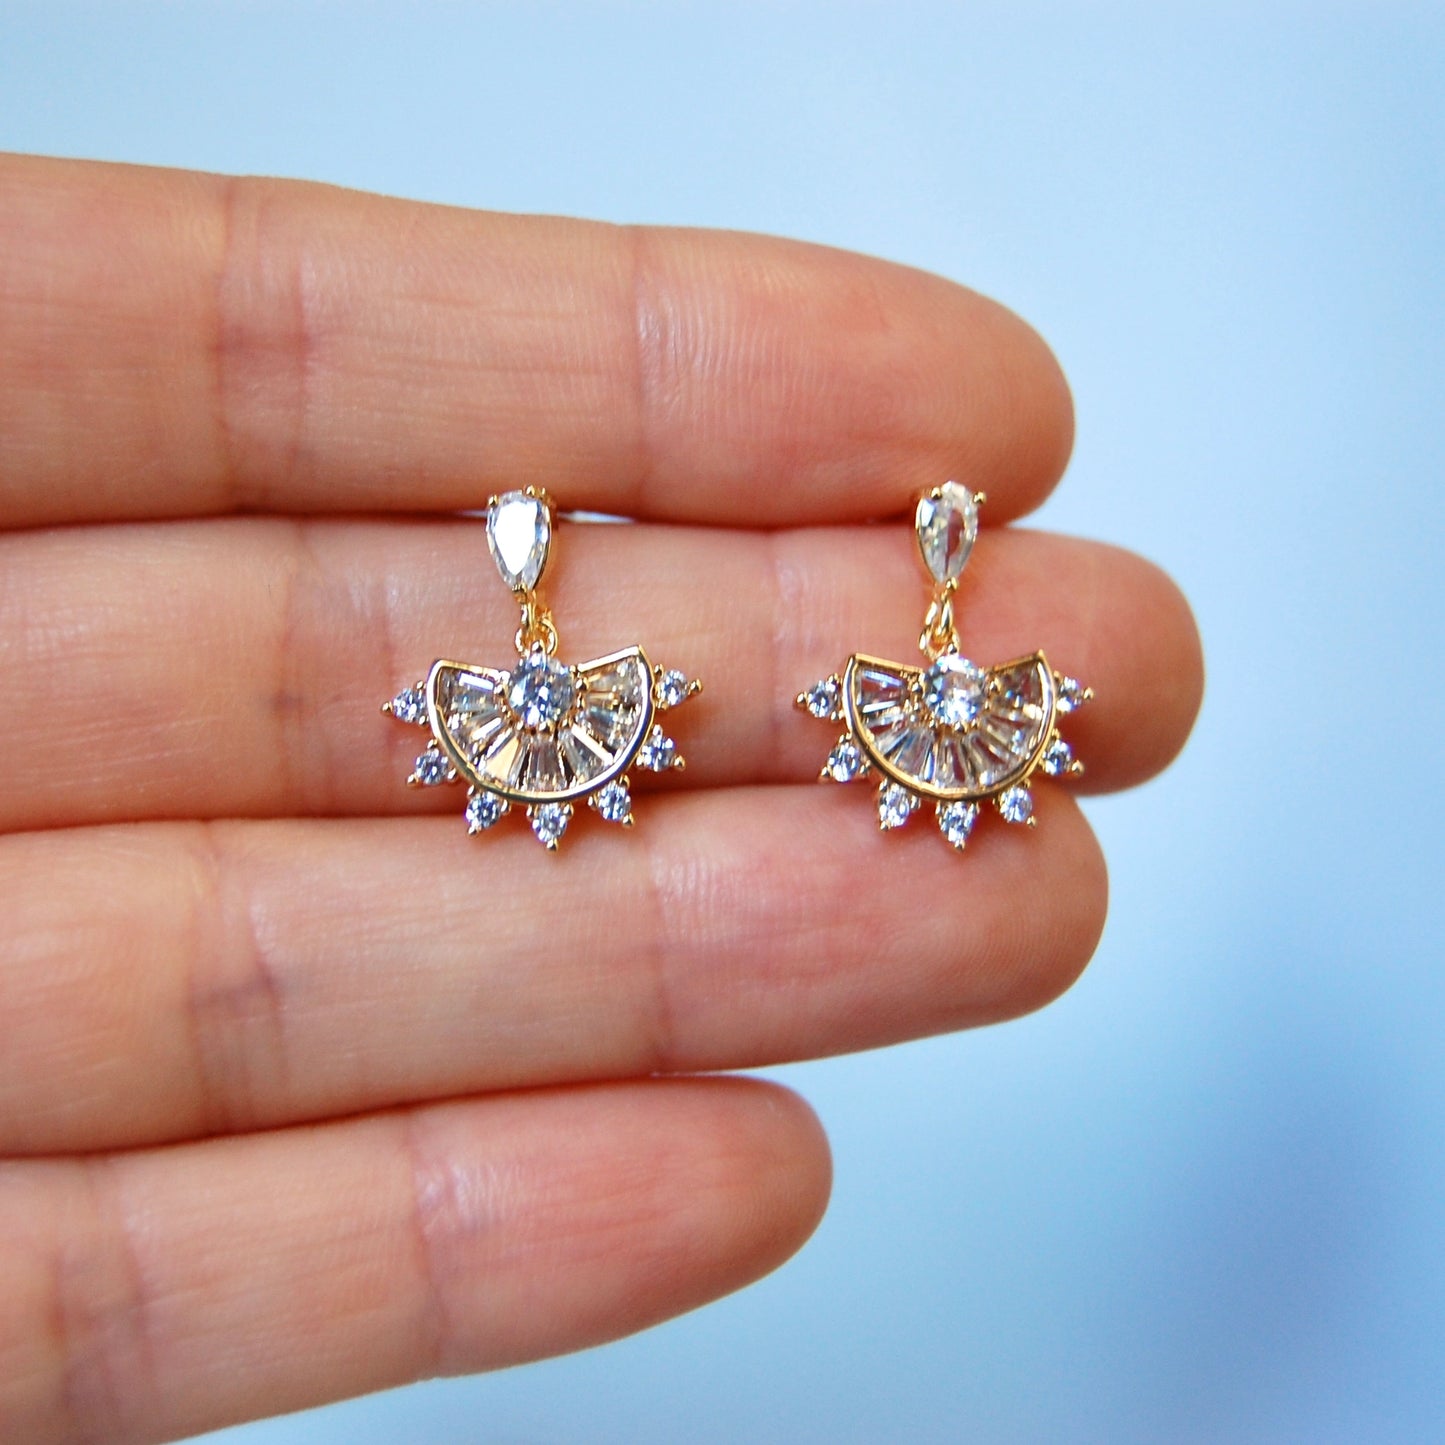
(546, 736)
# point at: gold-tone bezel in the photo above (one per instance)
(529, 797)
(865, 739)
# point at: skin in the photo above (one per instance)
(296, 1098)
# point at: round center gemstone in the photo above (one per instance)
(541, 693)
(955, 691)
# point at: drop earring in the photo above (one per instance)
(950, 732)
(543, 736)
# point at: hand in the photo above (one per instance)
(304, 1093)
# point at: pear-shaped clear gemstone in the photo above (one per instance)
(519, 532)
(947, 526)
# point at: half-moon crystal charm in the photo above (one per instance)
(949, 732)
(542, 735)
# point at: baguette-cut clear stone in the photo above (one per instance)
(947, 526)
(519, 532)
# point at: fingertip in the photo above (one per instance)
(1158, 673)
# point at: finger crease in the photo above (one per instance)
(265, 350)
(105, 1312)
(662, 1044)
(235, 1000)
(432, 1203)
(649, 348)
(302, 765)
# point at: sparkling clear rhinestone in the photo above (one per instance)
(895, 805)
(409, 705)
(956, 820)
(519, 532)
(1057, 757)
(433, 767)
(614, 802)
(823, 698)
(954, 690)
(658, 752)
(1072, 694)
(541, 692)
(947, 527)
(484, 809)
(845, 762)
(1016, 805)
(549, 821)
(672, 688)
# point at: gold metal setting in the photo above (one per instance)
(948, 732)
(542, 736)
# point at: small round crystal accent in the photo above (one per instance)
(484, 809)
(845, 762)
(822, 698)
(895, 805)
(672, 688)
(614, 802)
(541, 692)
(658, 752)
(1072, 695)
(956, 820)
(954, 690)
(1016, 805)
(409, 705)
(1057, 757)
(549, 822)
(432, 768)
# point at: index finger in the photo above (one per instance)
(179, 344)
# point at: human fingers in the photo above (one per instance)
(174, 344)
(166, 1292)
(165, 981)
(235, 668)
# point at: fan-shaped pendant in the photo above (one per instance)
(542, 736)
(950, 732)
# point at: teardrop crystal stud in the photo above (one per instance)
(947, 525)
(519, 535)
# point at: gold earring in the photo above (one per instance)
(950, 732)
(544, 735)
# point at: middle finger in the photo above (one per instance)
(236, 668)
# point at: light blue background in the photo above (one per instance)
(1200, 1198)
